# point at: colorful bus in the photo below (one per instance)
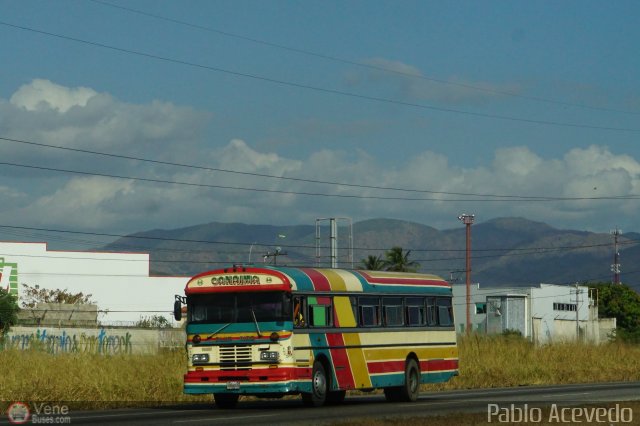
(270, 331)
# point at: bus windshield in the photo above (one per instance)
(239, 307)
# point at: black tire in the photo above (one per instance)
(336, 397)
(319, 387)
(410, 390)
(226, 400)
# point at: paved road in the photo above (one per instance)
(291, 411)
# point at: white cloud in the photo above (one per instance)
(407, 81)
(83, 118)
(97, 202)
(161, 130)
(43, 94)
(81, 203)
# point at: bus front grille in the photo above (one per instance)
(235, 357)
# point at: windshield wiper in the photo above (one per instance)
(218, 330)
(255, 321)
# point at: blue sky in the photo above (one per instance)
(523, 99)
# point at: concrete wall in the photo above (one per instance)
(59, 315)
(107, 341)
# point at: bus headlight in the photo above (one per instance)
(271, 356)
(200, 358)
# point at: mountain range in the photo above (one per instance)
(505, 251)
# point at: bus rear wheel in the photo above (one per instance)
(226, 400)
(319, 387)
(410, 389)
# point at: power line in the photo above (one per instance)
(318, 88)
(359, 64)
(153, 238)
(317, 194)
(263, 175)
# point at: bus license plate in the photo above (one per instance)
(233, 385)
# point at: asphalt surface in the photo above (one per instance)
(291, 411)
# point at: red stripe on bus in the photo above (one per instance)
(385, 367)
(341, 365)
(250, 376)
(439, 364)
(425, 366)
(408, 281)
(320, 282)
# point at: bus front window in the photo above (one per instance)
(223, 308)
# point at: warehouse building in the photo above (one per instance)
(543, 314)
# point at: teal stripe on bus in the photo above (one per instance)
(321, 348)
(240, 327)
(302, 280)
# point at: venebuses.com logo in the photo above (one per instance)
(20, 413)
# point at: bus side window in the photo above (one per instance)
(392, 308)
(299, 312)
(431, 311)
(415, 310)
(369, 311)
(445, 314)
(320, 312)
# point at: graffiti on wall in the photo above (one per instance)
(59, 341)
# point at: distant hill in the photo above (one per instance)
(505, 251)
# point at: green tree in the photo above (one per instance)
(373, 263)
(8, 311)
(397, 260)
(154, 321)
(32, 295)
(622, 303)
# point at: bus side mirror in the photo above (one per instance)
(177, 310)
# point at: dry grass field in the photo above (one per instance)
(96, 381)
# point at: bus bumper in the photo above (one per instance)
(254, 382)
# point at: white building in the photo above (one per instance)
(119, 283)
(543, 314)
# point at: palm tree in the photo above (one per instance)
(373, 263)
(397, 260)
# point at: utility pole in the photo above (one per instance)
(615, 267)
(467, 219)
(275, 254)
(333, 240)
(577, 313)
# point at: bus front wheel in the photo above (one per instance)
(226, 400)
(319, 386)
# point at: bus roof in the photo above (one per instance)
(263, 278)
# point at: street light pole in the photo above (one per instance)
(467, 219)
(615, 267)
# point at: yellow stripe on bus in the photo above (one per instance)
(356, 356)
(384, 354)
(351, 282)
(335, 280)
(357, 361)
(344, 311)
